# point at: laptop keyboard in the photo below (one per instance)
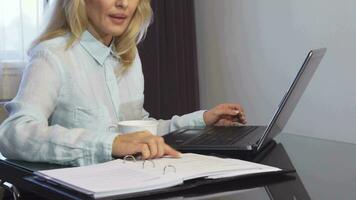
(221, 135)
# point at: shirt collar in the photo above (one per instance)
(95, 48)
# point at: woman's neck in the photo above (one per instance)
(102, 37)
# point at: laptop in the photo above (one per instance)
(247, 139)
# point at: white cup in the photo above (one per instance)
(137, 125)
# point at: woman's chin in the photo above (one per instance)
(116, 32)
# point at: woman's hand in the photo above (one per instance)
(225, 115)
(144, 143)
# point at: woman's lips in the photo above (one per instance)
(118, 19)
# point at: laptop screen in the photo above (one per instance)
(291, 98)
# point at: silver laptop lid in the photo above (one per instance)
(291, 98)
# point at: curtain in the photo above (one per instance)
(169, 60)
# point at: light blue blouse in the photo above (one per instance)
(68, 99)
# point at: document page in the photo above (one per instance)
(130, 176)
(110, 177)
(192, 165)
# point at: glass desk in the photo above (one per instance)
(325, 170)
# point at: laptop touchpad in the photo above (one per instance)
(186, 135)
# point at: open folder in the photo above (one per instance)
(125, 176)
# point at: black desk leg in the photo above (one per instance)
(11, 188)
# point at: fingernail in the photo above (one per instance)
(237, 111)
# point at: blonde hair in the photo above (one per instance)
(69, 16)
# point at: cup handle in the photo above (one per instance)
(112, 128)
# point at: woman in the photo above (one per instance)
(85, 75)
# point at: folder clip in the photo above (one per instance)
(150, 161)
(167, 167)
(129, 157)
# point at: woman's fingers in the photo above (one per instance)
(227, 110)
(235, 107)
(240, 114)
(145, 151)
(169, 151)
(160, 145)
(226, 122)
(150, 151)
(231, 110)
(148, 145)
(155, 147)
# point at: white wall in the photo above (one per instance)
(250, 50)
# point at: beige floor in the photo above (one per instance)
(3, 113)
(2, 117)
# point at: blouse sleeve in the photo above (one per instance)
(26, 133)
(177, 122)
